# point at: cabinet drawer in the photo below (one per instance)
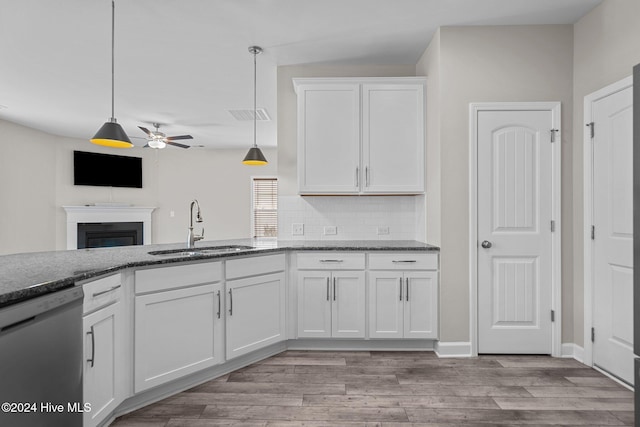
(254, 266)
(101, 292)
(330, 261)
(403, 261)
(163, 278)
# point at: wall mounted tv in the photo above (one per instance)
(106, 170)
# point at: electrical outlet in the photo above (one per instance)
(297, 229)
(330, 230)
(383, 230)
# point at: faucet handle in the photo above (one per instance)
(200, 237)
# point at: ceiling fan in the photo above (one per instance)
(158, 139)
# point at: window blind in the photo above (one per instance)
(265, 207)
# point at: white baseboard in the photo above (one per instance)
(573, 351)
(453, 349)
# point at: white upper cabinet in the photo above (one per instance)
(361, 136)
(328, 138)
(393, 138)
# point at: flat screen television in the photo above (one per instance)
(106, 170)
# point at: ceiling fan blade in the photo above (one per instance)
(175, 144)
(175, 138)
(145, 130)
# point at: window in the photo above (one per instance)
(265, 207)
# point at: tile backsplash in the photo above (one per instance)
(352, 217)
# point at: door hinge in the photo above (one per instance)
(553, 226)
(593, 334)
(553, 135)
(553, 315)
(592, 129)
(593, 232)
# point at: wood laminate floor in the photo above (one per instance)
(377, 388)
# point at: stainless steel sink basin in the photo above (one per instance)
(211, 250)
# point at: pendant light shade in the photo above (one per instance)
(111, 133)
(254, 157)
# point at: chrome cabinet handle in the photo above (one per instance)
(366, 176)
(328, 289)
(218, 313)
(93, 347)
(334, 288)
(407, 289)
(486, 244)
(230, 302)
(357, 177)
(331, 260)
(401, 289)
(403, 261)
(113, 288)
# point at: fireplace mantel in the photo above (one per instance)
(91, 213)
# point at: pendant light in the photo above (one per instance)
(111, 133)
(254, 157)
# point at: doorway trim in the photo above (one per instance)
(588, 210)
(556, 236)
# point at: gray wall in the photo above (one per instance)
(484, 64)
(606, 47)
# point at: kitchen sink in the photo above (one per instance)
(211, 250)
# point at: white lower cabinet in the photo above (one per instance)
(403, 304)
(104, 348)
(256, 312)
(331, 304)
(178, 328)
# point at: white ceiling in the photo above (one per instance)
(184, 62)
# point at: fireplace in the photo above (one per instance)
(108, 234)
(107, 225)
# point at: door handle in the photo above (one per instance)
(230, 302)
(334, 288)
(328, 289)
(486, 244)
(357, 177)
(401, 289)
(407, 279)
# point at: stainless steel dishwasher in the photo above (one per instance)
(41, 361)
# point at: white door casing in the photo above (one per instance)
(515, 282)
(609, 245)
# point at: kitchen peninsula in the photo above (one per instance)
(158, 319)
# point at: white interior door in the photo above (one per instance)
(514, 231)
(613, 242)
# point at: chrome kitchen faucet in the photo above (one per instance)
(192, 238)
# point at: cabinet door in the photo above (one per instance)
(174, 334)
(393, 138)
(421, 305)
(386, 302)
(101, 362)
(329, 138)
(255, 313)
(348, 304)
(314, 306)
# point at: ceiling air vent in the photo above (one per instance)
(245, 115)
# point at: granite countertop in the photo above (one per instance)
(28, 275)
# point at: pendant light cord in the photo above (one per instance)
(113, 38)
(255, 108)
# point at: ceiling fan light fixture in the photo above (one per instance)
(111, 133)
(254, 157)
(157, 143)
